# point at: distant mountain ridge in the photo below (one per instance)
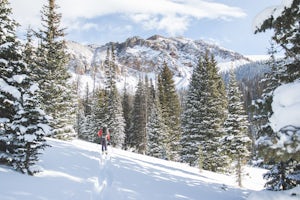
(137, 56)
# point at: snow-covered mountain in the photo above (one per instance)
(137, 56)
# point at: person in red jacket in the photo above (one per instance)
(104, 137)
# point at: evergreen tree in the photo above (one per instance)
(283, 175)
(30, 125)
(86, 120)
(57, 97)
(115, 121)
(127, 108)
(215, 113)
(22, 123)
(99, 114)
(286, 34)
(193, 116)
(203, 117)
(138, 138)
(237, 143)
(171, 111)
(155, 132)
(263, 106)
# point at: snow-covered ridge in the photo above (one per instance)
(137, 57)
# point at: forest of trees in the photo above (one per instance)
(210, 127)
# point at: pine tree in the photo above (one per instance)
(237, 143)
(127, 108)
(99, 115)
(115, 121)
(31, 126)
(263, 106)
(138, 138)
(171, 111)
(85, 119)
(57, 97)
(283, 176)
(155, 132)
(286, 34)
(193, 116)
(213, 121)
(23, 124)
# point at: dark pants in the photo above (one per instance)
(103, 143)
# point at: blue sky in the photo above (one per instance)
(225, 22)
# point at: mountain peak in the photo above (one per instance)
(155, 37)
(137, 55)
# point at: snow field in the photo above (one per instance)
(78, 170)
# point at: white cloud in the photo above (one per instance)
(169, 23)
(172, 16)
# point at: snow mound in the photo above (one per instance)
(292, 194)
(286, 106)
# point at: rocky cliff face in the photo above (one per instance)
(137, 55)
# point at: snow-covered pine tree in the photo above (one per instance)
(286, 34)
(171, 111)
(236, 142)
(29, 54)
(85, 118)
(116, 122)
(10, 65)
(213, 121)
(192, 121)
(263, 108)
(155, 132)
(31, 125)
(99, 115)
(127, 108)
(57, 97)
(283, 176)
(23, 124)
(138, 138)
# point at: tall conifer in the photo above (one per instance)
(236, 142)
(56, 94)
(23, 124)
(193, 116)
(138, 138)
(171, 111)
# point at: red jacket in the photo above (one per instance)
(100, 132)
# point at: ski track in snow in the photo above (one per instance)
(77, 170)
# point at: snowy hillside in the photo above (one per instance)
(137, 57)
(77, 170)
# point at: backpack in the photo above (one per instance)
(104, 132)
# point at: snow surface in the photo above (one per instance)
(77, 170)
(286, 106)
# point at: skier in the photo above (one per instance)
(104, 136)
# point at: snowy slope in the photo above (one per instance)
(76, 170)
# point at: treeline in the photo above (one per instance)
(208, 128)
